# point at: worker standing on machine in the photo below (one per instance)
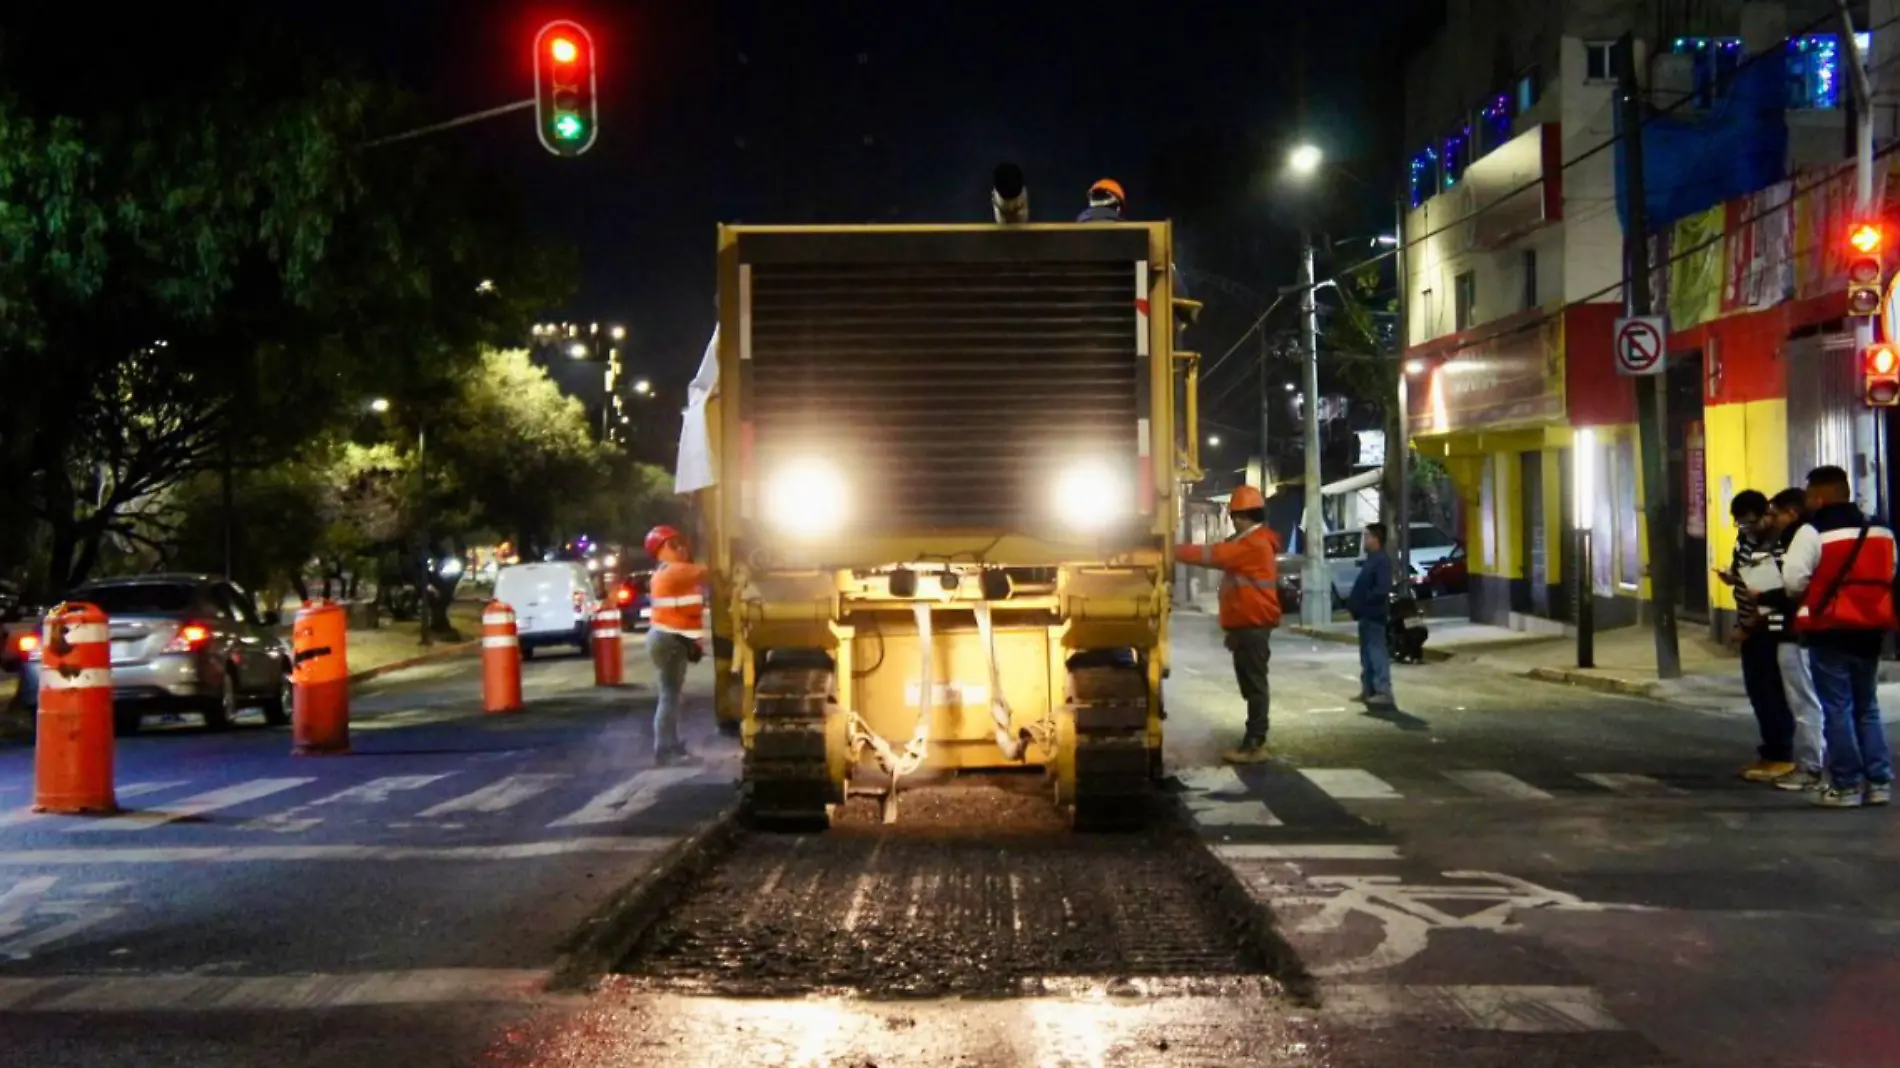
(1105, 202)
(676, 636)
(1249, 608)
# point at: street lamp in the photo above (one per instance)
(1304, 160)
(643, 387)
(577, 350)
(380, 405)
(1213, 441)
(1316, 588)
(618, 333)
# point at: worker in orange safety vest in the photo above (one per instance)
(675, 636)
(1249, 608)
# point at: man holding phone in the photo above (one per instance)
(1755, 545)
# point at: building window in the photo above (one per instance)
(1494, 124)
(1456, 153)
(1715, 62)
(1428, 316)
(1817, 71)
(1599, 61)
(1530, 278)
(1465, 301)
(1422, 176)
(1528, 88)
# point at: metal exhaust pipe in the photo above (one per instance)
(1009, 197)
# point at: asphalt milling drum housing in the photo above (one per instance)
(982, 890)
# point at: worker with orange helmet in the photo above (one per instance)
(675, 635)
(1249, 608)
(1105, 202)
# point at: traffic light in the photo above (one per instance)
(1864, 269)
(1880, 376)
(564, 109)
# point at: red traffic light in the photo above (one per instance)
(1865, 237)
(1880, 376)
(565, 68)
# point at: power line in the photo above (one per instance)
(1794, 194)
(1607, 144)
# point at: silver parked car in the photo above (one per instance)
(184, 643)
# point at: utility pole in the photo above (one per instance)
(1866, 207)
(1266, 412)
(1652, 403)
(1316, 587)
(1398, 448)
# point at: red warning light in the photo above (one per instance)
(1865, 237)
(564, 50)
(1881, 360)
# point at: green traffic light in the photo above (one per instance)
(567, 127)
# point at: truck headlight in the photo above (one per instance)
(1091, 495)
(806, 498)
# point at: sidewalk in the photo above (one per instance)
(1624, 659)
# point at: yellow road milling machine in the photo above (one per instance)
(946, 465)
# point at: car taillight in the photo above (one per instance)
(29, 645)
(190, 638)
(623, 595)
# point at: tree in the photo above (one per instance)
(202, 270)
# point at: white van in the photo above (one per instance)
(554, 603)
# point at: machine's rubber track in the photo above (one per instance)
(1114, 780)
(789, 778)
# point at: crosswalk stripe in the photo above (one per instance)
(1351, 784)
(1497, 784)
(373, 792)
(496, 796)
(1239, 809)
(627, 798)
(1634, 785)
(197, 805)
(123, 793)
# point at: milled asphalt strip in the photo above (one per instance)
(201, 993)
(241, 853)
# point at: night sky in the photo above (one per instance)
(867, 110)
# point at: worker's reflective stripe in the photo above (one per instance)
(503, 641)
(87, 634)
(679, 602)
(83, 679)
(490, 619)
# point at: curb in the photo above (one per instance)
(605, 938)
(1436, 656)
(446, 652)
(1599, 683)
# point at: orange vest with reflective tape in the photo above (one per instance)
(1250, 576)
(679, 600)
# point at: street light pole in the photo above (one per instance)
(1400, 449)
(1316, 588)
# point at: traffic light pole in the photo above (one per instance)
(1865, 209)
(1652, 404)
(461, 120)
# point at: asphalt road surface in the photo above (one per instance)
(1503, 873)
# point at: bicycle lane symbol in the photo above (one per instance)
(1401, 917)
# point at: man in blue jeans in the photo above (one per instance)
(1368, 604)
(1839, 570)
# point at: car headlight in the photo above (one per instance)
(806, 498)
(1091, 495)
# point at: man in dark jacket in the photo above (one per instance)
(1761, 675)
(1368, 604)
(1839, 570)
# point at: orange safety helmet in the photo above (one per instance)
(1246, 499)
(658, 537)
(1111, 187)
